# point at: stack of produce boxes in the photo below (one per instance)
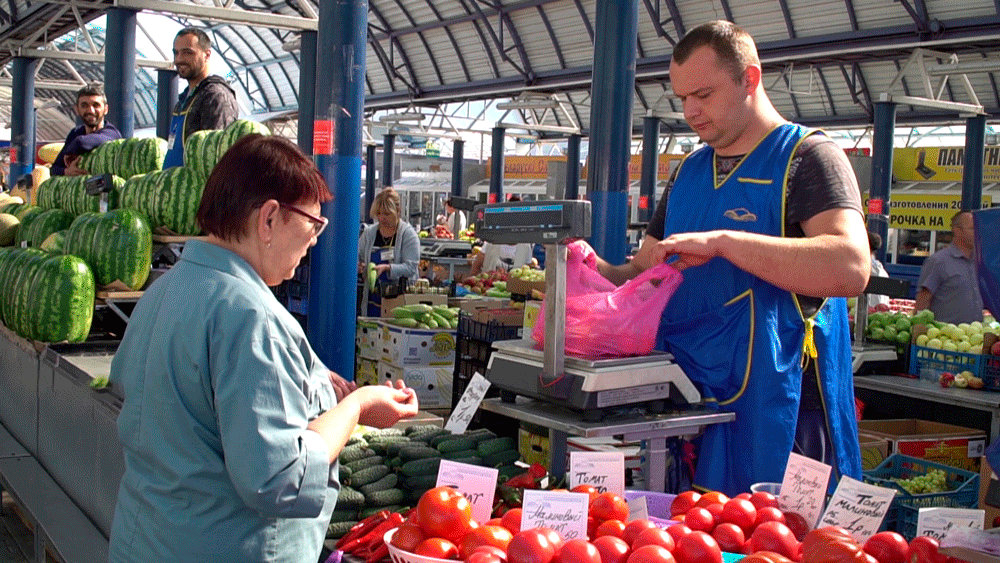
(368, 346)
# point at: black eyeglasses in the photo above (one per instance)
(319, 223)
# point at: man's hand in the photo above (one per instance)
(691, 249)
(341, 386)
(72, 169)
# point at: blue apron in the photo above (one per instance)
(741, 339)
(175, 141)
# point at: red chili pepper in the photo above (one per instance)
(380, 553)
(363, 527)
(374, 536)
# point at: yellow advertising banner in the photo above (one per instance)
(519, 167)
(925, 212)
(663, 166)
(940, 164)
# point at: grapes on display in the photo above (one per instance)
(934, 481)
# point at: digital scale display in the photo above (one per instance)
(528, 216)
(541, 222)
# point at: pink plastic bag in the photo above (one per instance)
(622, 321)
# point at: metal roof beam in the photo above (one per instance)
(89, 57)
(228, 15)
(47, 84)
(957, 107)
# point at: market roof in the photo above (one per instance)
(826, 61)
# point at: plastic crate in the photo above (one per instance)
(902, 515)
(991, 372)
(485, 332)
(928, 363)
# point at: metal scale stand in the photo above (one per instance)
(592, 386)
(101, 186)
(863, 351)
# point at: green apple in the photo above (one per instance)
(934, 343)
(976, 339)
(922, 340)
(950, 346)
(963, 346)
(933, 332)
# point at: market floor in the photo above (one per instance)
(15, 538)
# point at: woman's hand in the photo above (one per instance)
(341, 386)
(383, 269)
(385, 405)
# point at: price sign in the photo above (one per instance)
(937, 522)
(803, 489)
(467, 406)
(858, 508)
(565, 513)
(604, 470)
(478, 484)
(637, 509)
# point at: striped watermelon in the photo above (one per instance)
(44, 224)
(124, 162)
(55, 242)
(26, 216)
(194, 151)
(46, 297)
(178, 199)
(16, 288)
(150, 155)
(241, 128)
(117, 245)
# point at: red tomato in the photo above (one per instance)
(729, 536)
(797, 524)
(745, 496)
(444, 513)
(776, 537)
(555, 539)
(494, 522)
(591, 491)
(407, 537)
(497, 536)
(760, 499)
(741, 512)
(531, 546)
(831, 545)
(512, 520)
(650, 554)
(887, 547)
(712, 497)
(716, 510)
(699, 518)
(578, 551)
(869, 558)
(612, 549)
(609, 506)
(654, 536)
(684, 502)
(768, 514)
(438, 548)
(610, 528)
(634, 528)
(678, 531)
(924, 549)
(766, 557)
(698, 547)
(483, 557)
(492, 550)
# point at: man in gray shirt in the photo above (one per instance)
(948, 284)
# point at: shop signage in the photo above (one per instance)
(857, 507)
(940, 164)
(937, 521)
(803, 489)
(565, 513)
(923, 212)
(467, 406)
(518, 167)
(665, 165)
(324, 137)
(604, 470)
(478, 484)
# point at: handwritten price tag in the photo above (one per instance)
(604, 470)
(857, 507)
(565, 513)
(637, 509)
(478, 484)
(803, 489)
(937, 522)
(467, 406)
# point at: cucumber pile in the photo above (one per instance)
(421, 315)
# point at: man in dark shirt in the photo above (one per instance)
(91, 106)
(207, 102)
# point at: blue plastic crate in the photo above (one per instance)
(935, 361)
(963, 490)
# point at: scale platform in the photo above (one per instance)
(869, 352)
(592, 386)
(438, 247)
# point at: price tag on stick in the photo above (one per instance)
(858, 508)
(478, 484)
(604, 470)
(467, 406)
(565, 513)
(936, 522)
(803, 489)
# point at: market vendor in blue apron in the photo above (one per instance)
(207, 102)
(765, 223)
(391, 244)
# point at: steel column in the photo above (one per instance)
(878, 213)
(337, 141)
(611, 125)
(22, 118)
(166, 97)
(497, 165)
(650, 167)
(371, 181)
(573, 167)
(119, 69)
(307, 90)
(457, 168)
(388, 154)
(972, 174)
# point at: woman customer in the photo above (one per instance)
(391, 243)
(231, 426)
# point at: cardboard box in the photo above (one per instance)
(873, 450)
(532, 310)
(522, 287)
(472, 304)
(534, 448)
(402, 346)
(422, 417)
(368, 337)
(508, 317)
(431, 299)
(432, 384)
(942, 443)
(365, 371)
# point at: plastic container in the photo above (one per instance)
(399, 556)
(657, 504)
(928, 363)
(773, 488)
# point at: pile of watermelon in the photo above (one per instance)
(70, 193)
(44, 296)
(125, 157)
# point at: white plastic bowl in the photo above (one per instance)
(773, 488)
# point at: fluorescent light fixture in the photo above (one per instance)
(405, 116)
(528, 104)
(541, 127)
(49, 105)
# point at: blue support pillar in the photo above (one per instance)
(650, 167)
(307, 90)
(497, 165)
(388, 158)
(337, 141)
(166, 97)
(371, 181)
(615, 34)
(878, 203)
(119, 69)
(972, 174)
(573, 167)
(458, 168)
(22, 118)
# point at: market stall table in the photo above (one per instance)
(655, 429)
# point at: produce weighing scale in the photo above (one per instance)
(863, 351)
(593, 386)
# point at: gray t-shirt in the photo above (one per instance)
(951, 279)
